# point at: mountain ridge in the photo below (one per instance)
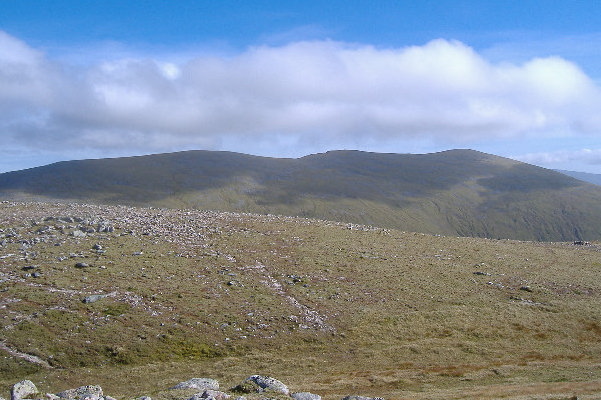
(454, 192)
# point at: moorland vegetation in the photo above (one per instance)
(137, 299)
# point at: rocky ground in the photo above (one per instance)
(253, 387)
(132, 299)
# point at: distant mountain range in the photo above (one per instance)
(455, 192)
(583, 176)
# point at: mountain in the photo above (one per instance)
(583, 176)
(456, 192)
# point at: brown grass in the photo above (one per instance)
(330, 308)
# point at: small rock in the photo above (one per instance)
(92, 397)
(361, 398)
(258, 383)
(526, 288)
(105, 228)
(199, 384)
(90, 392)
(78, 233)
(305, 396)
(44, 229)
(215, 394)
(144, 398)
(22, 390)
(97, 246)
(93, 298)
(211, 395)
(82, 265)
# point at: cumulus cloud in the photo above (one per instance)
(336, 93)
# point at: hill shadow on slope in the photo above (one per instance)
(527, 178)
(332, 175)
(455, 192)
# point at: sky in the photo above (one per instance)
(89, 79)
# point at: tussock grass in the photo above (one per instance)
(325, 307)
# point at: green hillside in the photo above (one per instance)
(139, 299)
(457, 192)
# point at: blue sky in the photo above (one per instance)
(88, 79)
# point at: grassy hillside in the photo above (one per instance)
(338, 308)
(458, 192)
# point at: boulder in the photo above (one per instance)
(258, 383)
(22, 390)
(305, 396)
(90, 392)
(198, 384)
(93, 298)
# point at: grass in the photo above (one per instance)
(458, 192)
(325, 307)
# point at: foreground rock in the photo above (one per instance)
(23, 390)
(254, 387)
(305, 396)
(199, 384)
(211, 395)
(90, 392)
(260, 384)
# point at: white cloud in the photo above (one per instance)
(563, 157)
(337, 94)
(524, 45)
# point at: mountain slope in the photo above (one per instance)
(457, 192)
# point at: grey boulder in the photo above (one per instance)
(23, 389)
(305, 396)
(198, 384)
(258, 383)
(89, 392)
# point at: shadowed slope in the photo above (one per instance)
(457, 192)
